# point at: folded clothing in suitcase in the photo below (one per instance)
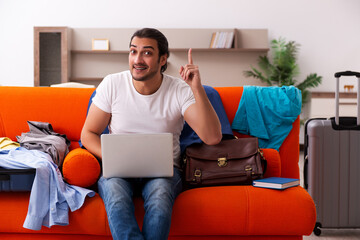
(14, 180)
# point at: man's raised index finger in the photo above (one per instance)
(190, 56)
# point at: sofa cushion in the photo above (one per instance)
(64, 108)
(90, 219)
(209, 211)
(81, 168)
(243, 210)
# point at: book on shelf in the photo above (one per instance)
(276, 182)
(222, 39)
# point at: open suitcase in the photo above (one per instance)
(332, 166)
(15, 180)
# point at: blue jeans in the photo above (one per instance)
(159, 195)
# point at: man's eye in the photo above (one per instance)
(147, 53)
(132, 51)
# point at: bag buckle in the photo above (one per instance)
(197, 176)
(222, 162)
(248, 168)
(197, 173)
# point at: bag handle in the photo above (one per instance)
(347, 73)
(263, 160)
(337, 76)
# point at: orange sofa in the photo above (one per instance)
(226, 212)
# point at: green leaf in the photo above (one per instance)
(282, 69)
(265, 65)
(311, 81)
(258, 75)
(305, 96)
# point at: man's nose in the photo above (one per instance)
(138, 58)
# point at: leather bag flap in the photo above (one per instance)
(245, 147)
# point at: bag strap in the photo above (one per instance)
(263, 160)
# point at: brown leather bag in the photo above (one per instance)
(231, 162)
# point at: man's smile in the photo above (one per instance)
(140, 67)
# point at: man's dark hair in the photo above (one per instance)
(162, 42)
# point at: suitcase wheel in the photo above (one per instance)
(317, 230)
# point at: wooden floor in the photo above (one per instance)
(335, 234)
(329, 234)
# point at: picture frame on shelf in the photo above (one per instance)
(100, 44)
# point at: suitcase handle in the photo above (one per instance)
(347, 73)
(337, 76)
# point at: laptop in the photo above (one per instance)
(137, 155)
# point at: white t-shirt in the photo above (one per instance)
(132, 112)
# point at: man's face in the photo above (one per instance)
(144, 61)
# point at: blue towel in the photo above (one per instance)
(188, 136)
(268, 113)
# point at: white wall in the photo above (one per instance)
(328, 30)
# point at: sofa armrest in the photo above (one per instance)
(272, 158)
(81, 168)
(289, 153)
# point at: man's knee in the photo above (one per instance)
(114, 190)
(159, 195)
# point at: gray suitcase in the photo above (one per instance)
(332, 166)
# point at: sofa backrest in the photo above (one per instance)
(65, 109)
(289, 150)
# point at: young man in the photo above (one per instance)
(144, 100)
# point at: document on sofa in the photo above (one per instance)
(276, 182)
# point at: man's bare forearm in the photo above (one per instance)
(209, 124)
(201, 116)
(92, 143)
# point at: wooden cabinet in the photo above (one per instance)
(218, 67)
(51, 55)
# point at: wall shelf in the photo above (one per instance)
(221, 50)
(85, 79)
(322, 104)
(176, 50)
(97, 52)
(218, 66)
(332, 94)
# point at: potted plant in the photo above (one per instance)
(283, 68)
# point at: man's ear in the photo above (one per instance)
(163, 59)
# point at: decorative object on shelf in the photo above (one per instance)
(73, 85)
(348, 88)
(283, 68)
(222, 40)
(100, 44)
